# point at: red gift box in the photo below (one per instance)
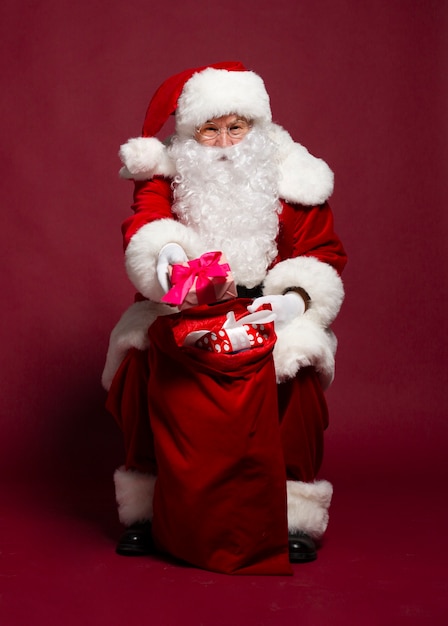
(222, 343)
(205, 280)
(248, 332)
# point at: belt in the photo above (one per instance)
(245, 292)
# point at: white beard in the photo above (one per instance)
(229, 196)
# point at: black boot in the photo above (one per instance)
(302, 548)
(136, 540)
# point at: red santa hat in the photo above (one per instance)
(197, 95)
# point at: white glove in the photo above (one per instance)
(286, 307)
(170, 254)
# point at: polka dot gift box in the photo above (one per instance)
(250, 331)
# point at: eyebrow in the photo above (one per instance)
(237, 119)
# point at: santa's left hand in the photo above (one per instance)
(286, 307)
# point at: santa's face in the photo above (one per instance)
(223, 131)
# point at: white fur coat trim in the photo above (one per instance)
(308, 505)
(131, 331)
(134, 492)
(303, 343)
(321, 281)
(303, 178)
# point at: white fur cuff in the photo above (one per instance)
(321, 281)
(303, 343)
(134, 493)
(308, 505)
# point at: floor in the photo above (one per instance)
(383, 563)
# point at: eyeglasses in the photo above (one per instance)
(238, 129)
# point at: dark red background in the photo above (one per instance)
(361, 84)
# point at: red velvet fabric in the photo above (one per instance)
(220, 497)
(303, 415)
(127, 401)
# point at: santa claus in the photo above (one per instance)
(231, 180)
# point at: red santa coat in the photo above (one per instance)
(303, 230)
(310, 256)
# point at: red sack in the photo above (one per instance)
(220, 495)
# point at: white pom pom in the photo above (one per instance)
(145, 157)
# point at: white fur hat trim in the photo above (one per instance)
(214, 93)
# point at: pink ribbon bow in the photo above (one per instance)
(200, 270)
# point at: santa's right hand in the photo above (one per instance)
(286, 307)
(170, 254)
